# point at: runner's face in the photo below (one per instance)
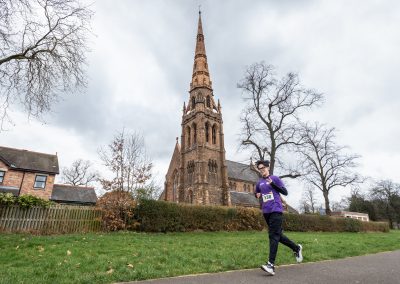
(264, 171)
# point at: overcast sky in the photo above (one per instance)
(141, 64)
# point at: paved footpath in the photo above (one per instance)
(382, 268)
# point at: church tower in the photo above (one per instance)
(198, 172)
(202, 173)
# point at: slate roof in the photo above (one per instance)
(73, 194)
(246, 199)
(241, 172)
(18, 159)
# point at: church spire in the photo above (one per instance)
(201, 76)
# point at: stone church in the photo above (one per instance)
(198, 172)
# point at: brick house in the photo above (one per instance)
(26, 172)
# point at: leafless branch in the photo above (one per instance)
(271, 115)
(326, 163)
(42, 52)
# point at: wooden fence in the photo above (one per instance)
(57, 219)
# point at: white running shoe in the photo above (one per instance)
(269, 268)
(299, 254)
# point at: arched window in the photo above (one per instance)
(207, 132)
(193, 102)
(188, 136)
(214, 134)
(175, 186)
(190, 196)
(208, 101)
(194, 133)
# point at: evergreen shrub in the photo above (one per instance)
(162, 216)
(24, 201)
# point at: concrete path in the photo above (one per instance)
(382, 268)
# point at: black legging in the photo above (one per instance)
(274, 222)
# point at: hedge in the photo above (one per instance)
(316, 223)
(162, 216)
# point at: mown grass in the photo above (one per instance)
(128, 256)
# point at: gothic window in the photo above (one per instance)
(194, 133)
(190, 171)
(175, 186)
(207, 132)
(214, 134)
(190, 167)
(193, 102)
(190, 196)
(188, 137)
(208, 101)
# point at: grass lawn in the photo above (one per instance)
(125, 256)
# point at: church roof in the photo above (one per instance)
(241, 171)
(244, 199)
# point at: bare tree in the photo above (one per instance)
(79, 173)
(309, 200)
(271, 113)
(340, 205)
(386, 191)
(42, 52)
(126, 158)
(325, 163)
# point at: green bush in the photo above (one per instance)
(310, 223)
(7, 199)
(28, 201)
(161, 216)
(24, 201)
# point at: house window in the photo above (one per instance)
(40, 181)
(2, 173)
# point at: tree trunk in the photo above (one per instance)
(327, 207)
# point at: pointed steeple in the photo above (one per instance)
(201, 76)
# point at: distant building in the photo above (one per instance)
(353, 215)
(26, 172)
